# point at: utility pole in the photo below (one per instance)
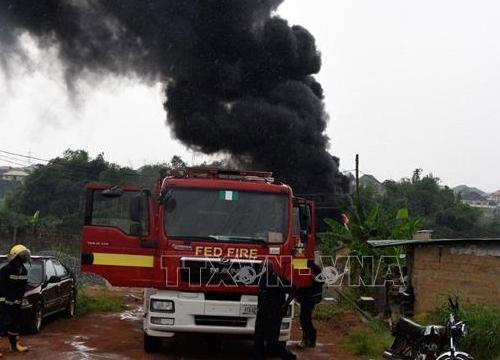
(357, 176)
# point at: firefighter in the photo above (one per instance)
(308, 297)
(271, 302)
(13, 279)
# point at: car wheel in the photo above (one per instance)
(37, 320)
(151, 343)
(69, 311)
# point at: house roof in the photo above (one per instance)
(472, 196)
(16, 173)
(496, 193)
(387, 243)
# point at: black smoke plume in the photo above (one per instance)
(238, 79)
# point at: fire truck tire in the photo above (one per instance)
(151, 343)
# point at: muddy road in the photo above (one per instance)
(119, 336)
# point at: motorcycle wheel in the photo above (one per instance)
(457, 357)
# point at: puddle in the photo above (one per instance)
(132, 315)
(84, 352)
(81, 351)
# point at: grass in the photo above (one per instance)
(483, 339)
(370, 341)
(329, 310)
(325, 311)
(101, 301)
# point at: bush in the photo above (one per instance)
(369, 342)
(483, 339)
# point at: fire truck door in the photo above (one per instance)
(117, 237)
(307, 228)
(311, 230)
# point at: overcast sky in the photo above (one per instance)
(408, 85)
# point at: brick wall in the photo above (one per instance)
(471, 271)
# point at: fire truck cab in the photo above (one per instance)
(197, 246)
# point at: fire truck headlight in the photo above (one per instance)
(162, 305)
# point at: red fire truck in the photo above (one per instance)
(197, 246)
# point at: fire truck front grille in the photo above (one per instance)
(214, 271)
(232, 321)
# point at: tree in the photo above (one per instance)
(437, 206)
(55, 192)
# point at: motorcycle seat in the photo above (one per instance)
(410, 328)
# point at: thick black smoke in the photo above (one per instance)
(239, 80)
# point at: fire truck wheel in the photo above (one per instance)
(151, 343)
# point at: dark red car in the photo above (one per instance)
(51, 289)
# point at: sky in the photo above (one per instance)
(408, 84)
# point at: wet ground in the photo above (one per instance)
(119, 336)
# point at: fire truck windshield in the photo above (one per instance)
(226, 215)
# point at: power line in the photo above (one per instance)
(12, 162)
(11, 158)
(24, 156)
(72, 166)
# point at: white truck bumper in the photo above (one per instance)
(192, 313)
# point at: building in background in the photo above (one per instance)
(438, 268)
(15, 175)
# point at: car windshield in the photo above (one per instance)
(226, 215)
(35, 270)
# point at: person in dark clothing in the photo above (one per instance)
(13, 279)
(308, 297)
(271, 302)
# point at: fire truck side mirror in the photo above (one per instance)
(136, 209)
(305, 219)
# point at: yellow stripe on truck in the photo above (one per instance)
(299, 264)
(123, 260)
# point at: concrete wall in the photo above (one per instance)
(471, 271)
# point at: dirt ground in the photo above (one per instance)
(119, 336)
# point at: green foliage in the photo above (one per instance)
(483, 339)
(363, 226)
(57, 188)
(438, 207)
(7, 188)
(11, 221)
(396, 210)
(369, 341)
(103, 302)
(52, 197)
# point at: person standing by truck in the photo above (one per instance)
(13, 280)
(271, 302)
(308, 297)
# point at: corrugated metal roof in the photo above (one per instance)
(386, 243)
(16, 173)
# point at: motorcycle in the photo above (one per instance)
(433, 342)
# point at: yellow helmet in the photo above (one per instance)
(21, 251)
